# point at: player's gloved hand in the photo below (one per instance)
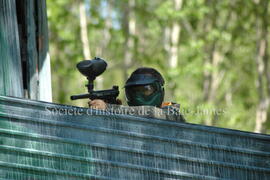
(97, 104)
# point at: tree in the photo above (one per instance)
(263, 83)
(208, 51)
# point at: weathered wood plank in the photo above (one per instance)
(45, 90)
(10, 64)
(27, 32)
(32, 50)
(31, 27)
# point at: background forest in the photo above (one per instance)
(214, 54)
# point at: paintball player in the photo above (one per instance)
(144, 88)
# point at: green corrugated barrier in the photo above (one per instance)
(43, 141)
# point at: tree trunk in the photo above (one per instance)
(213, 78)
(166, 40)
(102, 49)
(84, 34)
(130, 30)
(175, 36)
(171, 44)
(85, 41)
(262, 67)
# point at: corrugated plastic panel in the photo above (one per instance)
(49, 141)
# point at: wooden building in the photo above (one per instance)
(25, 62)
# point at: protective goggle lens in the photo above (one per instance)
(145, 90)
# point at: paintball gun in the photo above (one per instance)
(91, 69)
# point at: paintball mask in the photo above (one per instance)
(144, 89)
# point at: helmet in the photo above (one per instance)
(145, 87)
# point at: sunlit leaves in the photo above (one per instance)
(227, 26)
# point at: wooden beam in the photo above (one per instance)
(10, 64)
(45, 90)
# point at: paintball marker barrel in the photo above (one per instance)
(101, 94)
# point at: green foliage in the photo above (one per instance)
(224, 27)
